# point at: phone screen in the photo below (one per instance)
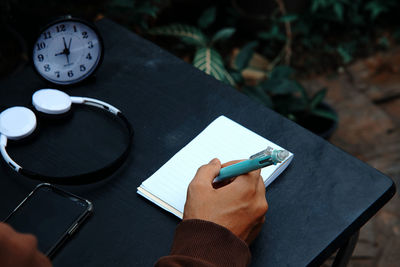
(50, 214)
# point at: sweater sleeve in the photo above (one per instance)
(204, 243)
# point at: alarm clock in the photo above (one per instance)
(68, 51)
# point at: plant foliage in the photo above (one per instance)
(284, 94)
(207, 18)
(330, 30)
(188, 34)
(244, 56)
(135, 12)
(210, 61)
(206, 57)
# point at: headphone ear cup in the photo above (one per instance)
(51, 101)
(17, 122)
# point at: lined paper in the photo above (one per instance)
(223, 139)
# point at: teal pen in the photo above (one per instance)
(260, 160)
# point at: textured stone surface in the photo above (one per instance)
(379, 75)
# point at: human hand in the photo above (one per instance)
(239, 206)
(19, 249)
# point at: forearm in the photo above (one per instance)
(203, 243)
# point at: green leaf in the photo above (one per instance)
(295, 104)
(223, 34)
(291, 117)
(279, 86)
(244, 56)
(375, 8)
(345, 54)
(207, 18)
(281, 72)
(325, 114)
(317, 98)
(273, 34)
(302, 91)
(285, 104)
(280, 82)
(384, 42)
(259, 95)
(210, 61)
(316, 4)
(237, 76)
(148, 10)
(288, 18)
(338, 8)
(188, 34)
(229, 79)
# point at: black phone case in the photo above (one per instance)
(72, 228)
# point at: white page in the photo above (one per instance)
(223, 139)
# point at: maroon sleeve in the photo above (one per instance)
(203, 243)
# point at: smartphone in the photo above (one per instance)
(51, 214)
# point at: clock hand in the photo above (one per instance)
(64, 50)
(67, 52)
(65, 44)
(69, 45)
(67, 59)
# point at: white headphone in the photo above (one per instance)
(19, 122)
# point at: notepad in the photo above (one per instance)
(223, 139)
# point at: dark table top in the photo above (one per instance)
(323, 197)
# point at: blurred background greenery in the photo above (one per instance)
(260, 48)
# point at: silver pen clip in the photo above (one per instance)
(263, 153)
(277, 156)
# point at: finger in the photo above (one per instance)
(261, 185)
(231, 162)
(251, 175)
(41, 260)
(226, 181)
(255, 172)
(26, 242)
(6, 229)
(208, 172)
(248, 180)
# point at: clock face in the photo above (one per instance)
(67, 52)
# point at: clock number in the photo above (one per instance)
(85, 35)
(46, 68)
(47, 35)
(70, 73)
(40, 45)
(75, 29)
(82, 67)
(40, 57)
(90, 43)
(57, 73)
(89, 56)
(60, 28)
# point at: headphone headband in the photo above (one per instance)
(62, 103)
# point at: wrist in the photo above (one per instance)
(211, 242)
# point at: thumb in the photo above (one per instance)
(208, 172)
